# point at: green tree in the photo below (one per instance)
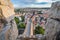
(17, 10)
(39, 30)
(17, 20)
(22, 18)
(40, 12)
(21, 25)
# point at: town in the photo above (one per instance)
(29, 23)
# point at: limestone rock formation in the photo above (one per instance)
(53, 23)
(8, 28)
(7, 8)
(55, 10)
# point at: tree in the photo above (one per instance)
(22, 18)
(39, 30)
(17, 20)
(17, 10)
(40, 12)
(21, 25)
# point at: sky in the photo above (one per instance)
(32, 3)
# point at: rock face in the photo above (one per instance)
(7, 9)
(53, 23)
(8, 28)
(55, 10)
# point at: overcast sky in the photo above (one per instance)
(32, 3)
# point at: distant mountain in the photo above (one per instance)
(34, 8)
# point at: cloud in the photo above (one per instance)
(49, 1)
(39, 6)
(38, 1)
(16, 6)
(33, 3)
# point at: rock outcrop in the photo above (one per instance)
(53, 23)
(8, 28)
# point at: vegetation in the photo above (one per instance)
(19, 23)
(17, 10)
(40, 12)
(17, 20)
(39, 30)
(22, 18)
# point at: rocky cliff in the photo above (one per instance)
(53, 23)
(8, 28)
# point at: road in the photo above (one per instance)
(28, 28)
